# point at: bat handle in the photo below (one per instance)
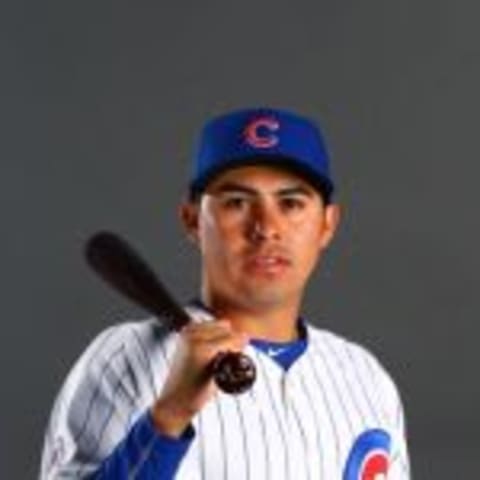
(233, 372)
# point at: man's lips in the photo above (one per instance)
(268, 262)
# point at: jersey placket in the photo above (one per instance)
(285, 393)
(299, 417)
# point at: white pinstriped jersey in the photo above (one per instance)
(303, 423)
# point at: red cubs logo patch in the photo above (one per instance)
(260, 132)
(369, 457)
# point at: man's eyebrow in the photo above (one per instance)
(228, 187)
(295, 190)
(232, 187)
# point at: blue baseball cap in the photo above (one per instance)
(262, 136)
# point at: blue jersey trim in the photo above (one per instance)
(145, 453)
(284, 353)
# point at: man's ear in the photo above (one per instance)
(188, 213)
(330, 224)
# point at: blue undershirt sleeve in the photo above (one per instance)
(146, 454)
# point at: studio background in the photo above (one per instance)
(101, 103)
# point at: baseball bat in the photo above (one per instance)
(121, 266)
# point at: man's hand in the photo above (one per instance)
(190, 385)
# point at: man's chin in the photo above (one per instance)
(266, 296)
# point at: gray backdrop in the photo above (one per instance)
(100, 102)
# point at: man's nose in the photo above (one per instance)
(265, 223)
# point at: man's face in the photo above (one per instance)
(260, 231)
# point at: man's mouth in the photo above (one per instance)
(269, 264)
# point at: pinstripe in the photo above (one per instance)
(50, 437)
(130, 374)
(336, 388)
(107, 335)
(304, 440)
(167, 356)
(201, 447)
(119, 387)
(368, 362)
(95, 394)
(395, 457)
(167, 361)
(399, 416)
(276, 413)
(327, 405)
(244, 436)
(370, 367)
(133, 380)
(315, 416)
(108, 416)
(147, 365)
(223, 442)
(53, 452)
(264, 434)
(363, 388)
(398, 457)
(335, 354)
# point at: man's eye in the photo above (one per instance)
(234, 203)
(292, 203)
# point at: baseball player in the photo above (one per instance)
(140, 403)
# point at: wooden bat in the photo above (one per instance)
(121, 266)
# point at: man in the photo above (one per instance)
(139, 403)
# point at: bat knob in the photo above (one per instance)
(233, 372)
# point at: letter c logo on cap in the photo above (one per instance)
(260, 132)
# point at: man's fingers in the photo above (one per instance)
(213, 331)
(206, 330)
(208, 339)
